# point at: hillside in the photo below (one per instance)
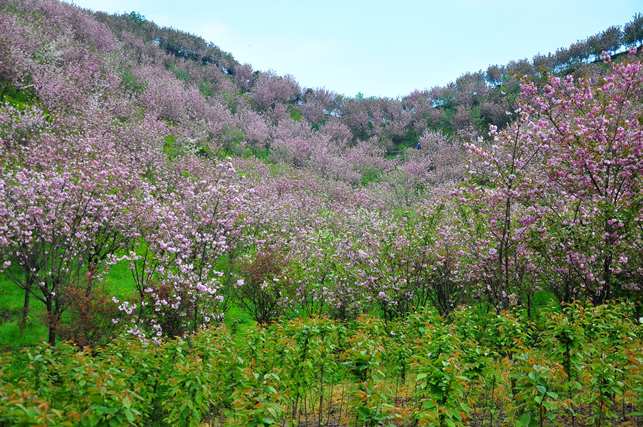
(154, 190)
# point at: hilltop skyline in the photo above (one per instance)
(376, 48)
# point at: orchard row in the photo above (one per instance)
(582, 364)
(107, 157)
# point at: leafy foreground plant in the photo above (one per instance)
(470, 369)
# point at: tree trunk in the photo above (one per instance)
(52, 321)
(52, 335)
(29, 282)
(25, 309)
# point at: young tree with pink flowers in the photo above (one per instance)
(554, 201)
(590, 200)
(181, 237)
(61, 221)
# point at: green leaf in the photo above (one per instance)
(129, 415)
(106, 410)
(525, 419)
(364, 411)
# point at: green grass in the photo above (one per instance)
(11, 303)
(238, 320)
(119, 282)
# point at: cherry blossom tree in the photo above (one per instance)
(317, 104)
(256, 130)
(181, 238)
(272, 93)
(494, 212)
(60, 223)
(591, 199)
(557, 195)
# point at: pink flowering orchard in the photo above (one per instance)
(560, 190)
(222, 187)
(60, 222)
(199, 242)
(179, 240)
(596, 169)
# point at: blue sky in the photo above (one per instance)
(380, 48)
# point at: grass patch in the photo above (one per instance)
(238, 321)
(11, 303)
(118, 281)
(12, 338)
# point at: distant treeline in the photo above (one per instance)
(464, 108)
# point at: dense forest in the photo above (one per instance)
(201, 243)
